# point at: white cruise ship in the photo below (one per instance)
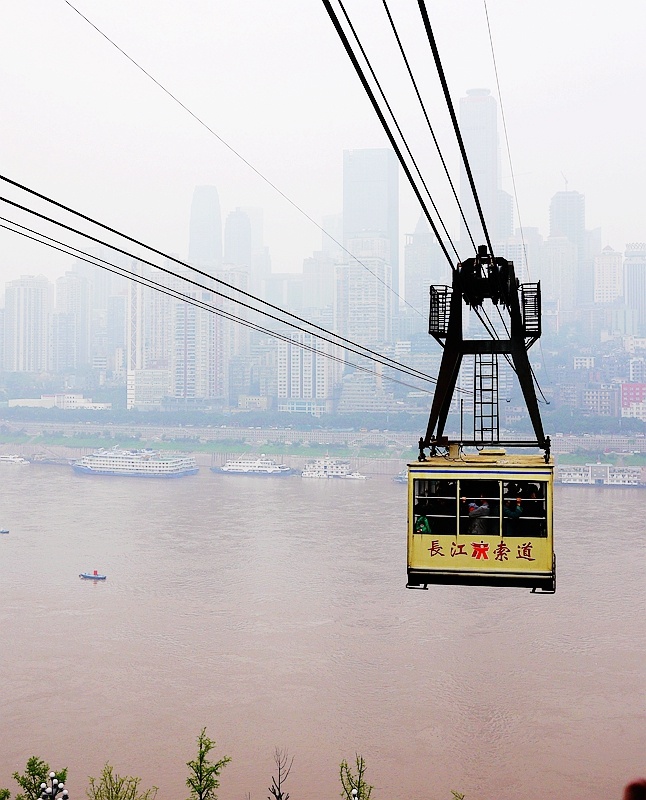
(330, 468)
(600, 475)
(135, 464)
(13, 460)
(262, 467)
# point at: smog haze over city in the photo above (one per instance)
(83, 125)
(225, 158)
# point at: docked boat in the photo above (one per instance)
(262, 467)
(135, 464)
(401, 477)
(330, 468)
(92, 576)
(13, 459)
(598, 474)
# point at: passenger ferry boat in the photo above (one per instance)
(599, 474)
(13, 459)
(401, 477)
(330, 468)
(135, 464)
(262, 466)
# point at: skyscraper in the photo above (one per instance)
(558, 281)
(567, 218)
(608, 276)
(205, 240)
(371, 201)
(479, 128)
(363, 300)
(237, 239)
(305, 378)
(635, 284)
(424, 264)
(73, 298)
(28, 309)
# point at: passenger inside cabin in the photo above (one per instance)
(534, 510)
(512, 509)
(477, 525)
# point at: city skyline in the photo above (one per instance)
(106, 140)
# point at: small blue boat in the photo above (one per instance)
(92, 576)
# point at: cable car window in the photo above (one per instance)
(434, 506)
(526, 509)
(480, 508)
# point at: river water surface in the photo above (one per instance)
(274, 613)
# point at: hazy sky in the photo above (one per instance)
(82, 125)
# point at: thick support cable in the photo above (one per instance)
(456, 127)
(382, 119)
(177, 295)
(428, 122)
(219, 281)
(394, 119)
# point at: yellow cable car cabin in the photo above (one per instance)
(483, 519)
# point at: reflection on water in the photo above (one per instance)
(274, 613)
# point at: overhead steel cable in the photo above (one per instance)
(504, 125)
(394, 119)
(238, 155)
(456, 127)
(428, 122)
(513, 181)
(324, 335)
(384, 123)
(376, 357)
(176, 294)
(342, 341)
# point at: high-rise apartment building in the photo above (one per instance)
(73, 300)
(371, 202)
(567, 218)
(148, 341)
(558, 282)
(244, 247)
(363, 298)
(64, 342)
(205, 240)
(635, 284)
(479, 128)
(193, 358)
(237, 239)
(28, 309)
(305, 376)
(424, 265)
(608, 276)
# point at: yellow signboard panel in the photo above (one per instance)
(481, 519)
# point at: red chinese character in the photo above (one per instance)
(458, 549)
(501, 552)
(480, 550)
(436, 549)
(525, 551)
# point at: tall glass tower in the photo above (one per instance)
(479, 128)
(371, 201)
(205, 240)
(567, 219)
